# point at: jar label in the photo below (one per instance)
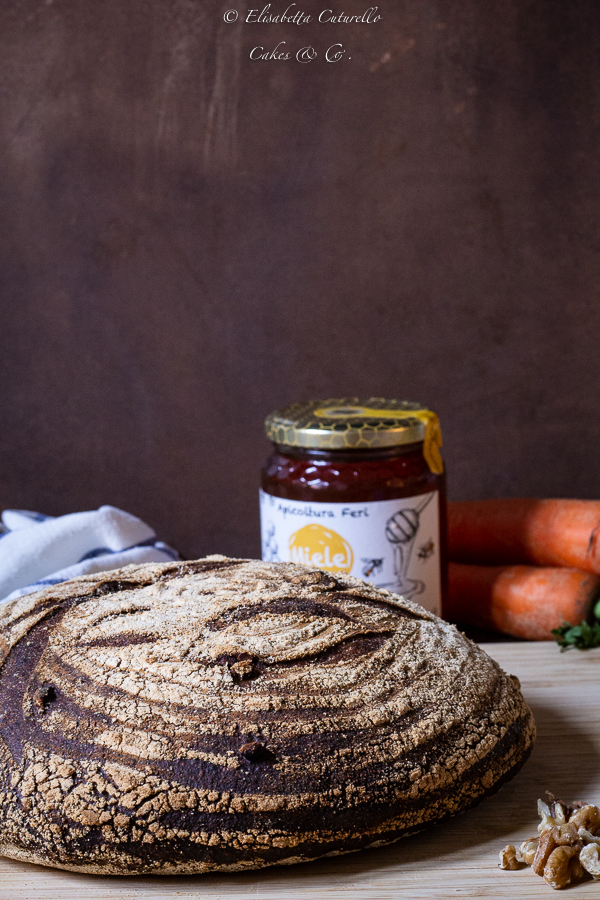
(393, 544)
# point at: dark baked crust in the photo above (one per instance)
(231, 714)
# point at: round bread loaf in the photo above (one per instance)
(228, 714)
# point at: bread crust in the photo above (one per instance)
(229, 714)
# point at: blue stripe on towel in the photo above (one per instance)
(34, 516)
(99, 551)
(151, 542)
(159, 545)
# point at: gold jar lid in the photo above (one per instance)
(351, 423)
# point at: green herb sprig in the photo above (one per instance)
(582, 637)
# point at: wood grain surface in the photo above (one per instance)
(458, 858)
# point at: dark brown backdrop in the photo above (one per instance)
(190, 239)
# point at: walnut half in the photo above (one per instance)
(563, 867)
(559, 836)
(589, 858)
(528, 850)
(508, 858)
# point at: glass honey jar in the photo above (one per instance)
(358, 486)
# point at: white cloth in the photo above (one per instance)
(37, 550)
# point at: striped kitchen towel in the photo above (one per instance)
(37, 550)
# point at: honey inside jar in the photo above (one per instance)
(358, 486)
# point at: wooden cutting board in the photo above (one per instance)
(456, 859)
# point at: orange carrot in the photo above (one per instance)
(525, 601)
(544, 532)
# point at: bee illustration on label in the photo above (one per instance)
(401, 531)
(371, 567)
(426, 550)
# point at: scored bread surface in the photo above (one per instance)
(228, 714)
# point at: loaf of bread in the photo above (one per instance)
(228, 714)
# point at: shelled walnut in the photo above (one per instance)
(567, 849)
(508, 858)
